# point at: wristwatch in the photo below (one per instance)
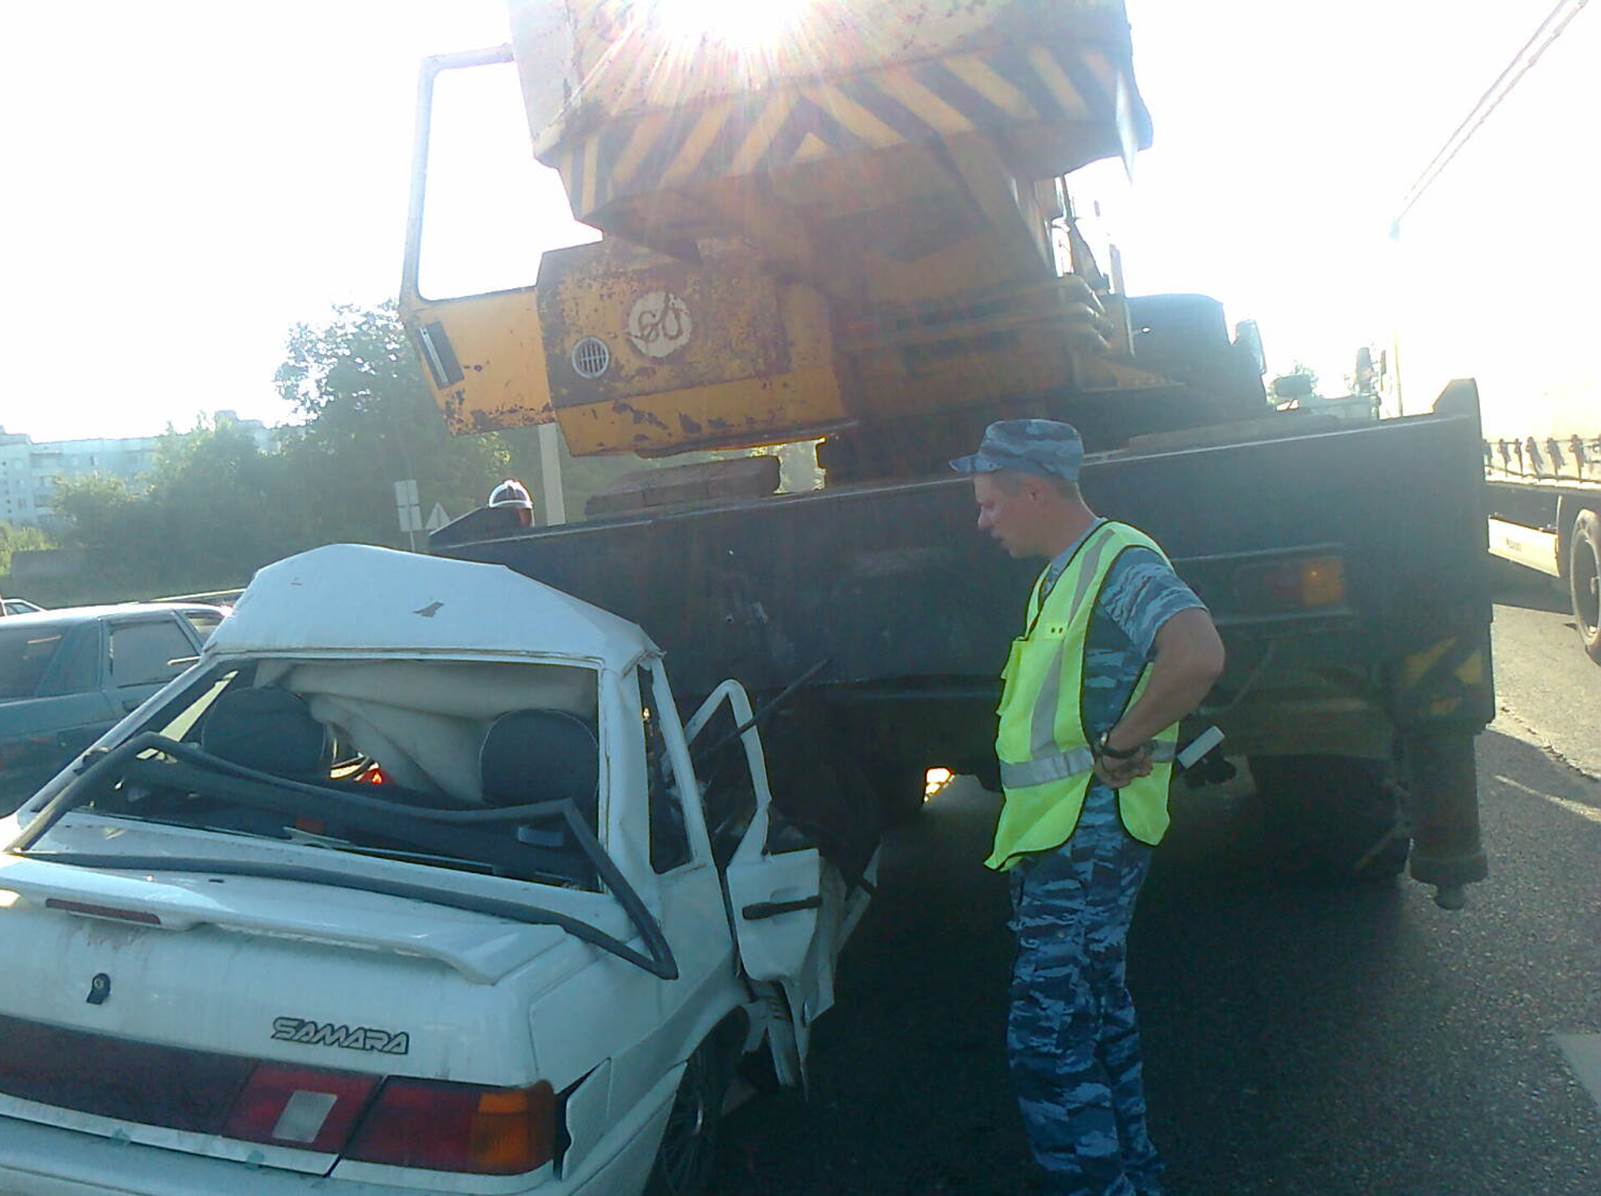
(1102, 748)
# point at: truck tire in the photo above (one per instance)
(1332, 817)
(687, 1156)
(1584, 580)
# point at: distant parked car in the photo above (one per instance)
(20, 606)
(67, 676)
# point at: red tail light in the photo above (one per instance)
(458, 1127)
(299, 1107)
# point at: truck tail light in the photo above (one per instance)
(1304, 583)
(299, 1107)
(444, 1126)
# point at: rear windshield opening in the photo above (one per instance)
(353, 756)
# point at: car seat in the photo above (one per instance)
(533, 756)
(268, 729)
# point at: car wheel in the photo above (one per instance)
(687, 1156)
(1584, 580)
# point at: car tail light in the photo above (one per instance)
(300, 1107)
(458, 1127)
(1305, 583)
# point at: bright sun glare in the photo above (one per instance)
(739, 24)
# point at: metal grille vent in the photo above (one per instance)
(591, 357)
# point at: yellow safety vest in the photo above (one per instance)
(1047, 765)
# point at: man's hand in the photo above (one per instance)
(1115, 773)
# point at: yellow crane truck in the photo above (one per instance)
(852, 224)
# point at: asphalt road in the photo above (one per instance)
(1544, 681)
(1300, 1039)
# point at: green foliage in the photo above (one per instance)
(18, 538)
(1302, 370)
(370, 422)
(203, 517)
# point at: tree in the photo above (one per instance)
(369, 423)
(19, 538)
(205, 518)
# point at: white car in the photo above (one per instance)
(413, 883)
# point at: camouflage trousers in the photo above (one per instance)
(1072, 1041)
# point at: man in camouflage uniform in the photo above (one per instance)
(1134, 652)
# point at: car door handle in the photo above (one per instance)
(757, 911)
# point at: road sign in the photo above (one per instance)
(406, 505)
(437, 518)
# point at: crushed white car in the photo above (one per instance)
(415, 882)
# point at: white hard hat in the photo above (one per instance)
(510, 493)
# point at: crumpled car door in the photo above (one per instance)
(791, 910)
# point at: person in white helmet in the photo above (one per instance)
(513, 494)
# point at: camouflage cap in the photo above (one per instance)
(1046, 447)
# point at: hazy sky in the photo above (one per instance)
(188, 179)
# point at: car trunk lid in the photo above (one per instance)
(242, 1017)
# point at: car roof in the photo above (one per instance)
(352, 597)
(84, 614)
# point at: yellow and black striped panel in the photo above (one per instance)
(1450, 681)
(981, 91)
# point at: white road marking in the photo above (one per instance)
(1572, 807)
(1583, 1053)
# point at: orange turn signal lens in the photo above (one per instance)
(1304, 583)
(1322, 581)
(513, 1131)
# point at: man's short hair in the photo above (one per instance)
(1011, 481)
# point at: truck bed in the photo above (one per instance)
(893, 584)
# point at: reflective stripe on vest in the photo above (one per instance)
(1043, 747)
(1069, 764)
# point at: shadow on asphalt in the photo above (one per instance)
(1513, 585)
(909, 1088)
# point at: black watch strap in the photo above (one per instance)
(1105, 749)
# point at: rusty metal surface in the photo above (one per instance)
(484, 358)
(722, 354)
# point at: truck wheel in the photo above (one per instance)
(687, 1156)
(1335, 817)
(1584, 578)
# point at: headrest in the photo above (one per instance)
(268, 729)
(534, 756)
